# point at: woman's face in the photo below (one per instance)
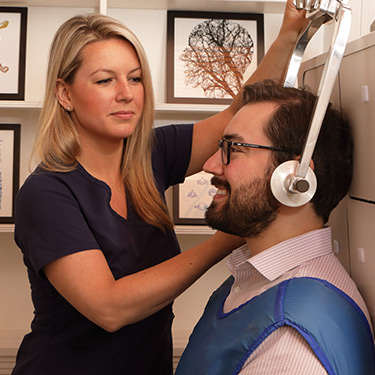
(107, 93)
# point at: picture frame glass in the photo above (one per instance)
(10, 36)
(9, 170)
(12, 52)
(210, 55)
(6, 173)
(192, 198)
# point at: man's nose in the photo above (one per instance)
(214, 164)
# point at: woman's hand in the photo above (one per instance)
(294, 22)
(226, 243)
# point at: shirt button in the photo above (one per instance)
(237, 289)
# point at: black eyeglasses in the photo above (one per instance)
(226, 147)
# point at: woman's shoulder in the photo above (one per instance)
(42, 180)
(41, 174)
(169, 132)
(73, 184)
(172, 140)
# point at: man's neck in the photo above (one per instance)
(290, 222)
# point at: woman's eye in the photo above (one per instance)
(104, 81)
(135, 79)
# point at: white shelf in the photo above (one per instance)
(19, 104)
(194, 108)
(253, 6)
(179, 229)
(159, 107)
(193, 229)
(10, 340)
(4, 228)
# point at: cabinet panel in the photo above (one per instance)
(311, 78)
(362, 249)
(357, 95)
(358, 99)
(338, 221)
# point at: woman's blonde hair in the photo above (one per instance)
(58, 143)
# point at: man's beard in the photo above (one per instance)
(248, 212)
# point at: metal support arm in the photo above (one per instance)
(293, 183)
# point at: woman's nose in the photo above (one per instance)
(214, 164)
(125, 92)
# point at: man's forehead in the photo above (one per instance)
(249, 121)
(234, 137)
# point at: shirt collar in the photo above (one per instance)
(275, 261)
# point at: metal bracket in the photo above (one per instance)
(298, 187)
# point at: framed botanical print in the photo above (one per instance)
(9, 170)
(192, 198)
(13, 22)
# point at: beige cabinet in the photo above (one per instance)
(353, 221)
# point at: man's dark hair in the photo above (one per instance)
(288, 129)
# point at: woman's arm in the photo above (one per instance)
(273, 66)
(86, 282)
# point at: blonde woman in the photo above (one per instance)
(102, 257)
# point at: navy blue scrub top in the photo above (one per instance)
(60, 213)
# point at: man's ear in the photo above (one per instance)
(311, 165)
(63, 95)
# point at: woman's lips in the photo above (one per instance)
(124, 115)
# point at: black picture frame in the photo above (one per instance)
(10, 135)
(13, 26)
(180, 25)
(191, 199)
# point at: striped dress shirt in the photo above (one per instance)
(308, 255)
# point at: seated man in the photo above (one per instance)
(290, 307)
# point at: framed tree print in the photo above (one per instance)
(210, 55)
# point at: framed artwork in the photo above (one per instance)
(210, 55)
(9, 170)
(191, 199)
(13, 21)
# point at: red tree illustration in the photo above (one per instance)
(217, 57)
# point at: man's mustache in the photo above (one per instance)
(216, 181)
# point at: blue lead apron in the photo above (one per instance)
(329, 320)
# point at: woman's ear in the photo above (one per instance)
(62, 95)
